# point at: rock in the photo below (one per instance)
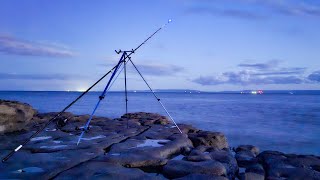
(253, 176)
(206, 138)
(201, 177)
(293, 173)
(256, 168)
(245, 158)
(255, 150)
(304, 161)
(158, 132)
(195, 152)
(147, 118)
(280, 165)
(185, 128)
(14, 116)
(226, 158)
(58, 150)
(186, 151)
(180, 168)
(197, 158)
(103, 170)
(246, 155)
(146, 153)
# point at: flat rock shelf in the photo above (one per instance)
(135, 146)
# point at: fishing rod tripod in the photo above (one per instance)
(125, 58)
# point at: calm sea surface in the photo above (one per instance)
(284, 122)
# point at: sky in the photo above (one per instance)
(210, 45)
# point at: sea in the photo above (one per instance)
(286, 121)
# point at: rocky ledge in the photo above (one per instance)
(135, 146)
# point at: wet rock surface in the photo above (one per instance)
(140, 146)
(207, 138)
(246, 155)
(289, 166)
(14, 116)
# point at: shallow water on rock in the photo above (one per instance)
(242, 170)
(114, 154)
(29, 170)
(40, 138)
(152, 143)
(179, 157)
(93, 138)
(54, 147)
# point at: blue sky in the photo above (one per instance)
(211, 45)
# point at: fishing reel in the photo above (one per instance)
(61, 122)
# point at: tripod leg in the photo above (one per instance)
(154, 94)
(122, 59)
(125, 91)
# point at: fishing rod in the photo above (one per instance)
(115, 68)
(125, 55)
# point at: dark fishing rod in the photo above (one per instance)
(7, 157)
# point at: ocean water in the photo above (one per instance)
(278, 121)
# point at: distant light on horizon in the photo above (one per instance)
(81, 90)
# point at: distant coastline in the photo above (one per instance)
(190, 91)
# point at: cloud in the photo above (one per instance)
(152, 69)
(283, 71)
(260, 73)
(271, 68)
(14, 46)
(159, 69)
(237, 13)
(240, 78)
(255, 9)
(294, 9)
(261, 66)
(14, 76)
(315, 76)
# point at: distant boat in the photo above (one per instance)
(290, 92)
